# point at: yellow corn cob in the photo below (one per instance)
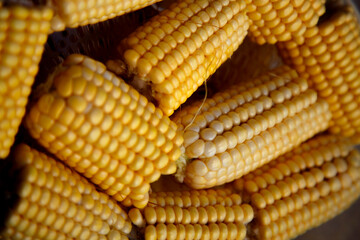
(54, 202)
(177, 50)
(196, 214)
(281, 20)
(303, 188)
(23, 32)
(329, 59)
(248, 125)
(74, 13)
(105, 130)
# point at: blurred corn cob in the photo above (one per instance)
(282, 20)
(330, 61)
(249, 61)
(246, 126)
(74, 13)
(50, 201)
(177, 50)
(105, 130)
(23, 32)
(303, 188)
(196, 214)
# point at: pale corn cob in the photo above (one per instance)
(74, 13)
(23, 32)
(281, 20)
(329, 60)
(196, 214)
(303, 188)
(105, 130)
(54, 202)
(240, 129)
(177, 50)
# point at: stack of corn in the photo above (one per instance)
(303, 188)
(329, 59)
(74, 13)
(23, 33)
(111, 134)
(105, 130)
(196, 214)
(242, 128)
(50, 201)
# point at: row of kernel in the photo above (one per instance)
(196, 231)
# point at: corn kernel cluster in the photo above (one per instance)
(196, 214)
(105, 130)
(300, 190)
(55, 202)
(23, 33)
(329, 59)
(280, 20)
(74, 13)
(180, 48)
(245, 127)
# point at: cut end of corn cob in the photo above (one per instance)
(55, 202)
(104, 129)
(177, 50)
(250, 124)
(330, 60)
(303, 188)
(22, 38)
(74, 13)
(195, 214)
(278, 21)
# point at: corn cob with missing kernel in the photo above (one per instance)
(196, 214)
(329, 60)
(74, 13)
(303, 188)
(177, 50)
(282, 20)
(240, 129)
(104, 129)
(50, 201)
(23, 32)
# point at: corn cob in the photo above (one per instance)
(303, 188)
(329, 60)
(105, 130)
(282, 20)
(54, 202)
(240, 129)
(196, 214)
(177, 50)
(23, 32)
(74, 13)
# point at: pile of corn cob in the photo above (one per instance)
(246, 157)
